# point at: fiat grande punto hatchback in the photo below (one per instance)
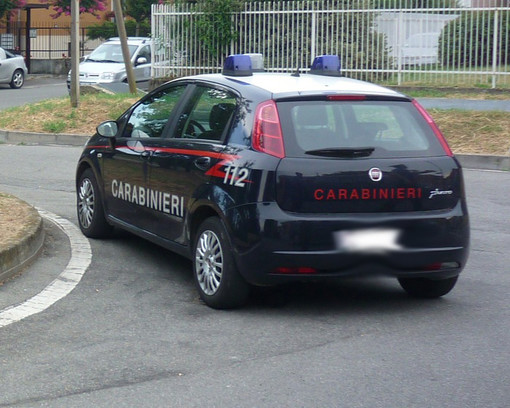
(263, 178)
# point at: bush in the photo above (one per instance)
(468, 41)
(108, 29)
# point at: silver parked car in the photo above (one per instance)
(106, 63)
(12, 69)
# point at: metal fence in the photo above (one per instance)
(435, 46)
(47, 40)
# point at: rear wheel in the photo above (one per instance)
(91, 217)
(427, 288)
(216, 276)
(18, 79)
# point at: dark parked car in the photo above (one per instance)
(265, 178)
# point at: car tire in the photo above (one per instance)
(18, 79)
(89, 206)
(217, 278)
(427, 288)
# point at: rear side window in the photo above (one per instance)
(207, 115)
(391, 128)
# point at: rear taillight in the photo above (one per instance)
(267, 133)
(434, 128)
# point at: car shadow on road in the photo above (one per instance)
(349, 295)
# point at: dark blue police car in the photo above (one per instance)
(262, 178)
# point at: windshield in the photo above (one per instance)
(110, 53)
(355, 129)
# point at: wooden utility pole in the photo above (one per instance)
(75, 53)
(121, 28)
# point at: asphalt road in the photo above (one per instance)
(477, 105)
(36, 88)
(133, 332)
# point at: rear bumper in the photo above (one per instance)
(273, 247)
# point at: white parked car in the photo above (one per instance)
(106, 63)
(12, 69)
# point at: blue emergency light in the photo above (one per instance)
(237, 65)
(326, 65)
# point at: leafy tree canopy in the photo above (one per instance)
(139, 10)
(7, 6)
(63, 7)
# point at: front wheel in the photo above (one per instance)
(427, 288)
(216, 276)
(91, 217)
(18, 79)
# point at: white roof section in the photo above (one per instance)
(131, 40)
(283, 84)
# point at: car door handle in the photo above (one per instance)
(203, 163)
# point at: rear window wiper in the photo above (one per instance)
(342, 152)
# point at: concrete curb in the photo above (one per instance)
(469, 161)
(14, 137)
(22, 252)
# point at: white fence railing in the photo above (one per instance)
(434, 46)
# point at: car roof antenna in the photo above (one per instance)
(295, 73)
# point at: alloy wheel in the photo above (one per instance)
(209, 262)
(86, 203)
(17, 79)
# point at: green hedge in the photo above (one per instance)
(108, 29)
(468, 41)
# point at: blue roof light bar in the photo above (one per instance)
(237, 65)
(326, 65)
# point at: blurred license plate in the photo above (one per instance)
(374, 239)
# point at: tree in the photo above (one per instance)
(63, 7)
(415, 4)
(8, 6)
(108, 29)
(452, 43)
(215, 23)
(139, 10)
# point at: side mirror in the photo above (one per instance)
(108, 129)
(141, 60)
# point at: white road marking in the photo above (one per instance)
(81, 256)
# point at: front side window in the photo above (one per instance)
(208, 115)
(150, 117)
(145, 52)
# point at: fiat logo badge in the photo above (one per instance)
(375, 174)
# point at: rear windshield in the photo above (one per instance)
(380, 128)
